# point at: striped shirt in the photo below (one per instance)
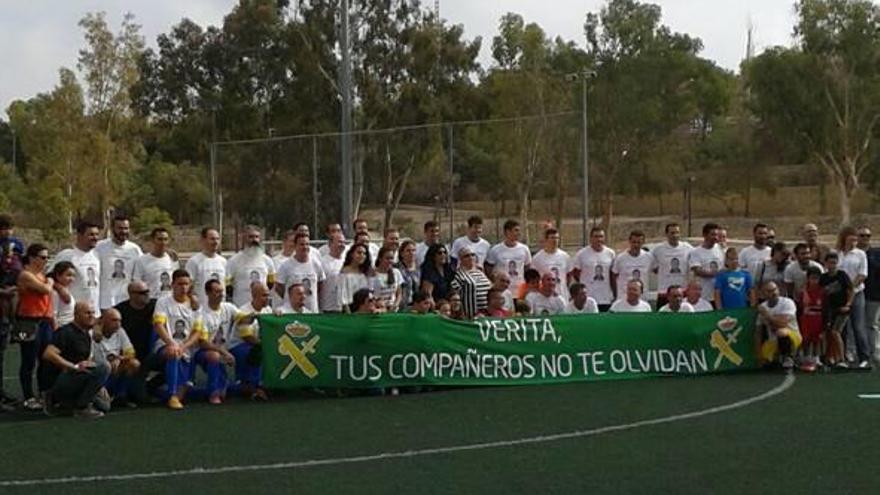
(473, 286)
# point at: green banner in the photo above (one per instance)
(405, 349)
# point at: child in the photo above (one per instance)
(495, 305)
(444, 308)
(64, 274)
(733, 286)
(812, 303)
(839, 295)
(532, 284)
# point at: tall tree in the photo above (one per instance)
(823, 94)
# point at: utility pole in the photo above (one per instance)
(584, 76)
(345, 165)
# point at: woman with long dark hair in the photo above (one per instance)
(354, 274)
(387, 280)
(33, 321)
(437, 272)
(409, 270)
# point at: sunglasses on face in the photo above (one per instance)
(140, 292)
(865, 235)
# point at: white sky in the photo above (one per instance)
(37, 37)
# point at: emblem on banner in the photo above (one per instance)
(723, 338)
(296, 345)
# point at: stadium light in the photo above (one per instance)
(584, 76)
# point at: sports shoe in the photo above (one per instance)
(216, 399)
(808, 367)
(787, 363)
(260, 395)
(865, 365)
(88, 413)
(174, 403)
(33, 404)
(50, 408)
(842, 365)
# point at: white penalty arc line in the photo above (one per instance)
(779, 389)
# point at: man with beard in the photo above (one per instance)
(88, 268)
(117, 256)
(249, 265)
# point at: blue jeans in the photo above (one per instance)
(78, 388)
(245, 373)
(856, 332)
(31, 357)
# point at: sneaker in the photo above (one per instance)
(50, 408)
(865, 365)
(32, 404)
(842, 365)
(88, 413)
(174, 403)
(216, 400)
(808, 367)
(260, 395)
(787, 363)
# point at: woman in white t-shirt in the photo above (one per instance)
(387, 280)
(354, 274)
(64, 273)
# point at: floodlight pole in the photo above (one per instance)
(345, 165)
(584, 76)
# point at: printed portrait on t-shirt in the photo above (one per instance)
(636, 275)
(555, 272)
(254, 276)
(118, 270)
(164, 281)
(713, 265)
(511, 269)
(599, 273)
(307, 285)
(214, 276)
(91, 277)
(674, 266)
(179, 330)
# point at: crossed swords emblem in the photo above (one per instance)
(298, 355)
(724, 346)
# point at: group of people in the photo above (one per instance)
(103, 316)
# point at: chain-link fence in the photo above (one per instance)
(527, 167)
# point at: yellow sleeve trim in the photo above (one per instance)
(159, 319)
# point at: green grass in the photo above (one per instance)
(816, 437)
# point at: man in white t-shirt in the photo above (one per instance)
(208, 264)
(675, 301)
(633, 302)
(362, 227)
(580, 302)
(694, 296)
(751, 256)
(303, 228)
(706, 260)
(247, 335)
(178, 329)
(670, 262)
(554, 260)
(391, 241)
(632, 264)
(219, 319)
(592, 267)
(112, 346)
(795, 274)
(86, 286)
(303, 269)
(249, 265)
(780, 315)
(156, 267)
(331, 230)
(431, 237)
(287, 249)
(510, 255)
(328, 295)
(296, 301)
(545, 301)
(117, 256)
(473, 241)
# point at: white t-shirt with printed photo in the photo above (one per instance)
(328, 298)
(179, 318)
(156, 273)
(510, 259)
(784, 306)
(86, 286)
(541, 305)
(117, 268)
(384, 290)
(595, 272)
(203, 268)
(244, 268)
(623, 306)
(628, 267)
(480, 248)
(117, 345)
(590, 307)
(750, 258)
(241, 329)
(672, 265)
(309, 274)
(218, 323)
(706, 259)
(557, 263)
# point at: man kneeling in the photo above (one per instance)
(77, 378)
(115, 348)
(780, 316)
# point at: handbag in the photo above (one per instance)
(24, 330)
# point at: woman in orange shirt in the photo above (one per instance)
(33, 321)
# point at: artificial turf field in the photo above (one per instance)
(812, 435)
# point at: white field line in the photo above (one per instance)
(779, 389)
(869, 396)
